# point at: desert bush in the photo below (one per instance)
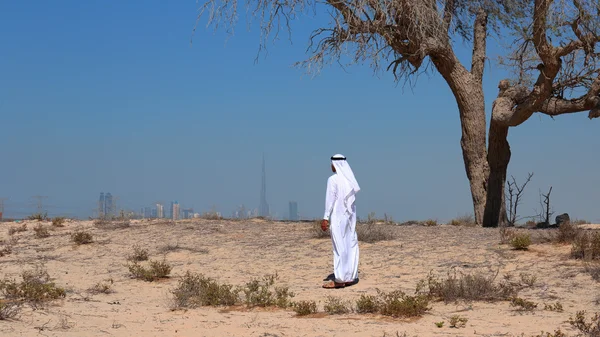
(260, 293)
(430, 222)
(9, 309)
(528, 279)
(34, 288)
(398, 304)
(554, 307)
(41, 231)
(139, 254)
(586, 246)
(521, 241)
(156, 270)
(119, 223)
(567, 232)
(506, 234)
(337, 306)
(5, 250)
(81, 237)
(194, 290)
(463, 221)
(58, 221)
(522, 305)
(458, 322)
(469, 287)
(38, 216)
(367, 304)
(303, 308)
(371, 232)
(587, 328)
(19, 229)
(593, 268)
(102, 287)
(318, 232)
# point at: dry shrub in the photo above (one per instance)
(303, 308)
(156, 270)
(586, 246)
(567, 232)
(102, 287)
(9, 309)
(38, 217)
(81, 237)
(398, 304)
(506, 234)
(557, 307)
(593, 268)
(430, 222)
(521, 241)
(337, 306)
(58, 221)
(139, 254)
(522, 305)
(371, 232)
(263, 293)
(41, 231)
(194, 290)
(7, 249)
(589, 328)
(19, 229)
(318, 232)
(112, 224)
(458, 322)
(367, 304)
(528, 279)
(467, 220)
(557, 333)
(34, 288)
(468, 287)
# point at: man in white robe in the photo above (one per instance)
(341, 209)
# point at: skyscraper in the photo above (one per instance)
(160, 211)
(293, 211)
(101, 205)
(263, 208)
(174, 210)
(108, 205)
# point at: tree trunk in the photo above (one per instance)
(468, 92)
(498, 159)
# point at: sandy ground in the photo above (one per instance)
(235, 252)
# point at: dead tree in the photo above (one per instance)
(515, 192)
(409, 37)
(545, 213)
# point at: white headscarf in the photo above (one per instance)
(348, 186)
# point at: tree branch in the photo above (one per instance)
(590, 101)
(448, 14)
(479, 44)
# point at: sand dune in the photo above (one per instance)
(234, 252)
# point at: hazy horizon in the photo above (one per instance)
(111, 97)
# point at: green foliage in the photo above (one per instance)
(521, 241)
(367, 304)
(156, 270)
(439, 324)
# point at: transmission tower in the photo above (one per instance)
(2, 207)
(39, 202)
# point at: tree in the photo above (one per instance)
(412, 36)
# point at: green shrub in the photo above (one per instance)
(336, 306)
(194, 290)
(520, 241)
(155, 271)
(303, 308)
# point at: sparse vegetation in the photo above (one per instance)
(456, 321)
(469, 287)
(398, 304)
(259, 293)
(463, 221)
(38, 216)
(522, 304)
(593, 268)
(557, 333)
(337, 306)
(367, 304)
(118, 223)
(589, 328)
(17, 229)
(139, 254)
(102, 287)
(156, 270)
(194, 290)
(439, 324)
(554, 307)
(528, 279)
(58, 221)
(9, 309)
(371, 232)
(586, 246)
(34, 289)
(81, 237)
(521, 241)
(430, 222)
(7, 249)
(41, 231)
(567, 232)
(303, 308)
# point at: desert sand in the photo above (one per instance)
(237, 251)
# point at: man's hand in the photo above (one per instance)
(324, 225)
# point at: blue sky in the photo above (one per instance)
(109, 96)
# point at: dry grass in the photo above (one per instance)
(367, 304)
(38, 217)
(589, 328)
(337, 306)
(586, 246)
(398, 304)
(17, 229)
(58, 221)
(522, 305)
(303, 308)
(263, 293)
(139, 254)
(10, 309)
(34, 289)
(467, 220)
(41, 231)
(81, 237)
(156, 270)
(556, 307)
(567, 233)
(102, 287)
(112, 224)
(194, 290)
(468, 287)
(371, 232)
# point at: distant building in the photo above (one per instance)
(147, 212)
(174, 210)
(263, 208)
(101, 205)
(293, 211)
(108, 205)
(160, 211)
(188, 213)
